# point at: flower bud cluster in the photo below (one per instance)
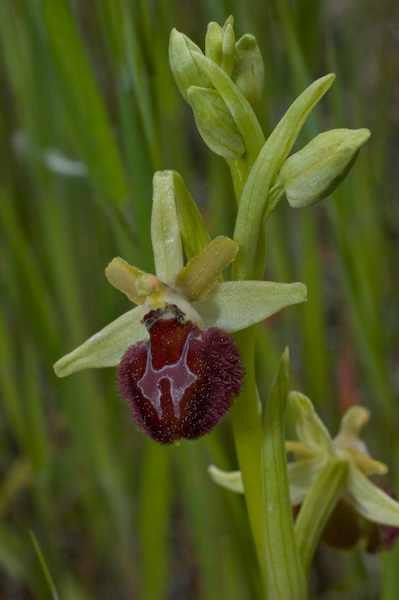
(240, 61)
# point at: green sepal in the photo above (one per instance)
(310, 428)
(192, 227)
(237, 104)
(275, 150)
(249, 70)
(106, 347)
(215, 123)
(370, 501)
(184, 69)
(165, 232)
(231, 480)
(235, 305)
(318, 505)
(315, 172)
(301, 475)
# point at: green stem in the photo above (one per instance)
(239, 175)
(317, 507)
(286, 577)
(247, 428)
(276, 192)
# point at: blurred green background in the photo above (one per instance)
(88, 111)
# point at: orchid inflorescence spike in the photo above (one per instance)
(179, 368)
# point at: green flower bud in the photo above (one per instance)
(314, 172)
(215, 123)
(228, 49)
(220, 45)
(182, 64)
(214, 42)
(249, 72)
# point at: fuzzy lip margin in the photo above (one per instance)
(213, 376)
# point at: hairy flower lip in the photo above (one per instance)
(181, 382)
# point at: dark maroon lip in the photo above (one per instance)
(170, 311)
(181, 381)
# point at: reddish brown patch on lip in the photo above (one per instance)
(182, 381)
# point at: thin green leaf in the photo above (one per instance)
(275, 150)
(317, 507)
(88, 114)
(286, 579)
(44, 567)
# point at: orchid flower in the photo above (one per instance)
(179, 368)
(315, 454)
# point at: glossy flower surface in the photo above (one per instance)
(180, 382)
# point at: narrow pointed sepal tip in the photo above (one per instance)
(106, 347)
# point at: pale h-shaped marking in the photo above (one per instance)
(179, 375)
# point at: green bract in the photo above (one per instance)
(182, 65)
(215, 123)
(229, 305)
